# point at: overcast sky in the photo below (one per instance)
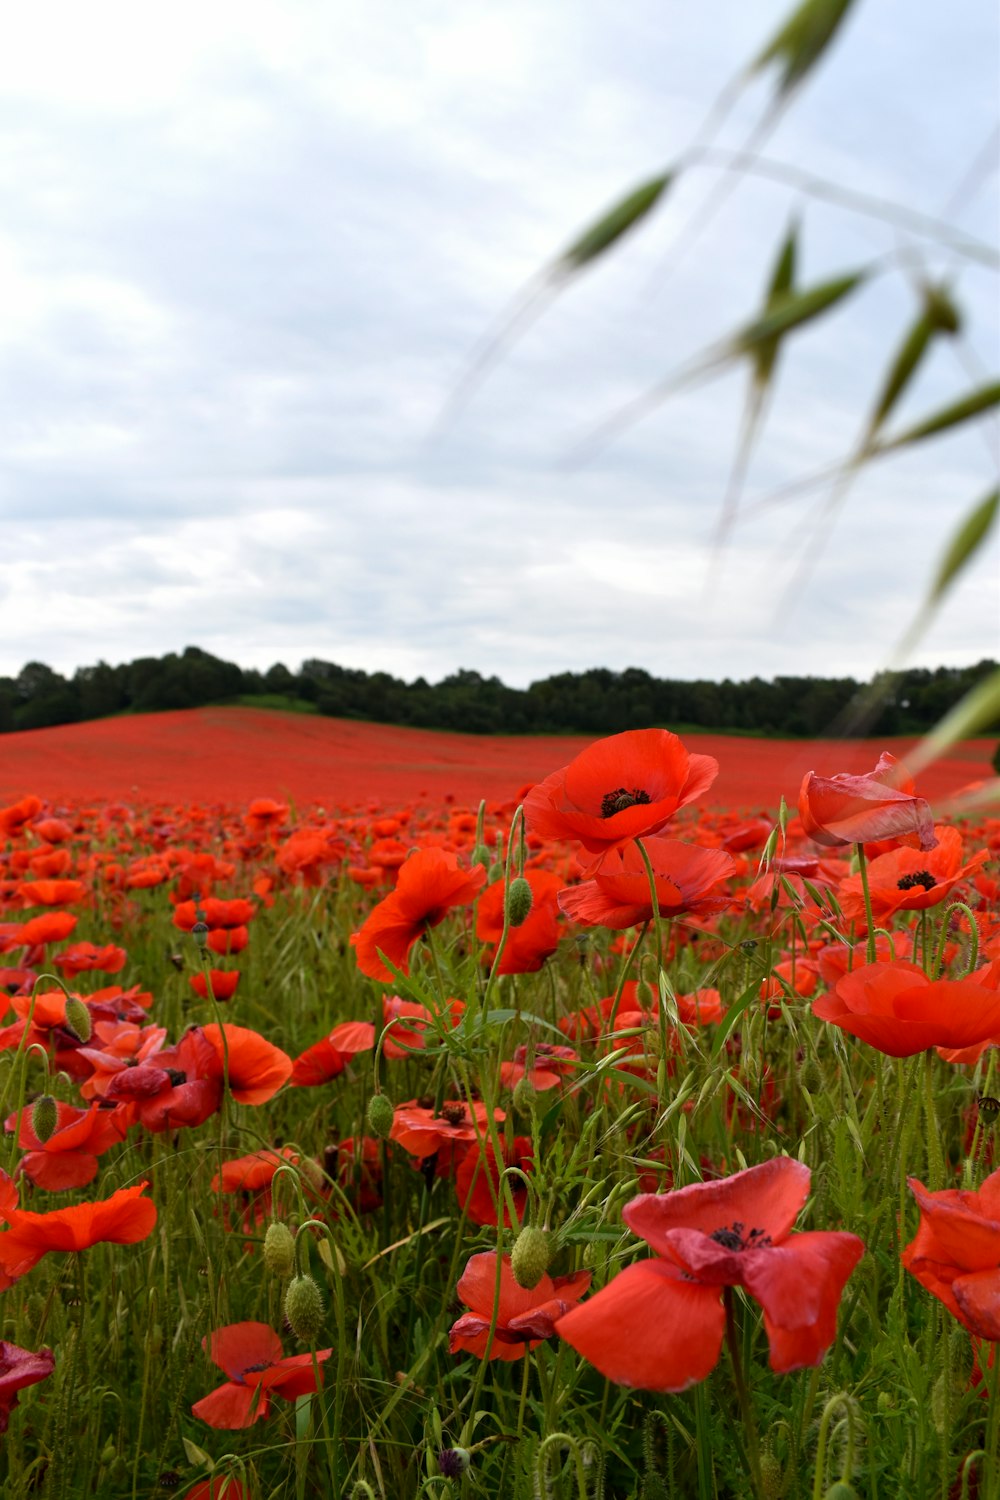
(247, 251)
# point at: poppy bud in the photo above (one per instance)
(304, 1308)
(44, 1117)
(519, 899)
(772, 1477)
(529, 1259)
(481, 856)
(380, 1115)
(279, 1249)
(811, 1075)
(525, 1095)
(78, 1020)
(200, 934)
(453, 1462)
(841, 1490)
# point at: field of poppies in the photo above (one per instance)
(612, 1136)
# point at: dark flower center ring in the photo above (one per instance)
(733, 1238)
(921, 877)
(618, 801)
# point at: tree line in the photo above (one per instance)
(597, 701)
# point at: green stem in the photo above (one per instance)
(871, 953)
(742, 1393)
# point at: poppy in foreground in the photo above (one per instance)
(685, 876)
(956, 1252)
(897, 1009)
(620, 788)
(251, 1355)
(659, 1324)
(848, 809)
(430, 884)
(18, 1368)
(524, 1319)
(123, 1219)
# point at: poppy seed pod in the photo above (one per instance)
(529, 1259)
(381, 1115)
(304, 1308)
(44, 1117)
(200, 934)
(519, 899)
(78, 1019)
(279, 1249)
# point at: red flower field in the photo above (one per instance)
(234, 754)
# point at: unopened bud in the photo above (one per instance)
(44, 1117)
(772, 1477)
(78, 1020)
(841, 1490)
(200, 934)
(529, 1259)
(304, 1308)
(481, 856)
(279, 1249)
(381, 1115)
(519, 899)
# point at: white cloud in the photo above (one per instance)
(253, 246)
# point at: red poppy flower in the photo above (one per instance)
(618, 896)
(423, 1133)
(909, 879)
(956, 1252)
(524, 1319)
(543, 1064)
(68, 1158)
(214, 913)
(51, 927)
(477, 1181)
(224, 983)
(250, 1354)
(19, 1368)
(897, 1009)
(618, 789)
(257, 1069)
(412, 1022)
(87, 958)
(430, 884)
(659, 1323)
(15, 817)
(329, 1057)
(122, 1219)
(848, 809)
(52, 892)
(249, 1174)
(219, 1487)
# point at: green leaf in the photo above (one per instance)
(779, 288)
(964, 543)
(792, 311)
(974, 404)
(616, 222)
(901, 371)
(800, 43)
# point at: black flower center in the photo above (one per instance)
(453, 1112)
(732, 1238)
(618, 801)
(920, 877)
